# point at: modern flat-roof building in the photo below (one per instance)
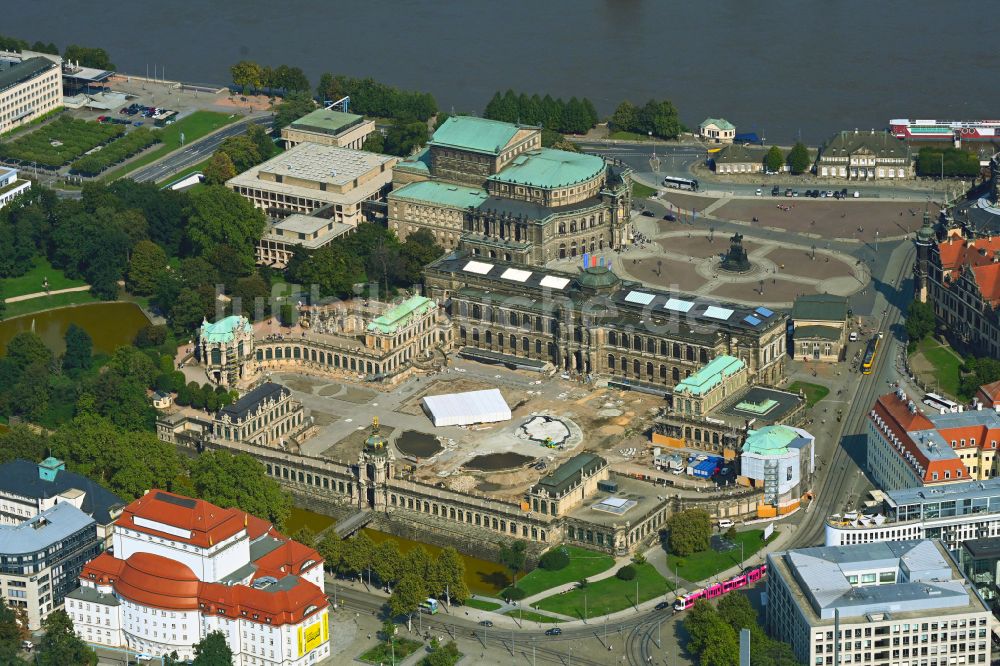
(311, 176)
(28, 89)
(980, 561)
(904, 602)
(11, 185)
(490, 188)
(952, 513)
(278, 244)
(41, 559)
(328, 128)
(908, 448)
(183, 568)
(27, 489)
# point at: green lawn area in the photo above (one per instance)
(947, 365)
(583, 563)
(47, 303)
(813, 392)
(383, 653)
(627, 136)
(707, 563)
(531, 616)
(482, 605)
(195, 126)
(31, 281)
(607, 595)
(640, 191)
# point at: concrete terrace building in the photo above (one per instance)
(593, 323)
(908, 448)
(28, 90)
(27, 489)
(717, 130)
(310, 176)
(781, 460)
(820, 332)
(904, 602)
(275, 249)
(490, 188)
(952, 513)
(266, 416)
(41, 559)
(11, 185)
(183, 568)
(980, 562)
(865, 156)
(328, 128)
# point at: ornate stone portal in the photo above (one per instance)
(736, 260)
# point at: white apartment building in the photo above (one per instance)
(183, 568)
(904, 603)
(28, 89)
(11, 185)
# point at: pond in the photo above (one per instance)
(495, 462)
(110, 325)
(417, 444)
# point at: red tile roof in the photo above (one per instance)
(959, 252)
(291, 557)
(208, 524)
(988, 281)
(989, 394)
(895, 413)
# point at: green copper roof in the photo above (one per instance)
(326, 121)
(549, 168)
(419, 162)
(441, 194)
(721, 123)
(597, 277)
(476, 134)
(820, 307)
(770, 440)
(224, 329)
(400, 315)
(710, 376)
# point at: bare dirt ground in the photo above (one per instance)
(697, 244)
(779, 291)
(797, 261)
(687, 202)
(829, 219)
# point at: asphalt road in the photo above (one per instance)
(197, 151)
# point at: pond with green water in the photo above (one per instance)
(110, 325)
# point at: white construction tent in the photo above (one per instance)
(466, 408)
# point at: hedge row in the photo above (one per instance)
(75, 137)
(116, 152)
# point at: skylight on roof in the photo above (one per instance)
(750, 319)
(677, 305)
(554, 282)
(516, 275)
(639, 297)
(764, 312)
(477, 267)
(716, 312)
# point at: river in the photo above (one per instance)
(110, 325)
(780, 68)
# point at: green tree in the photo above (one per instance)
(374, 143)
(145, 267)
(241, 481)
(30, 395)
(625, 118)
(774, 160)
(11, 635)
(262, 141)
(332, 548)
(213, 650)
(627, 572)
(246, 75)
(305, 536)
(387, 562)
(359, 554)
(407, 596)
(404, 137)
(798, 158)
(79, 350)
(736, 610)
(293, 107)
(243, 152)
(660, 118)
(451, 574)
(690, 532)
(89, 57)
(920, 320)
(20, 441)
(26, 348)
(60, 646)
(513, 557)
(220, 216)
(219, 169)
(443, 655)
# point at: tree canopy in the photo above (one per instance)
(657, 117)
(240, 481)
(89, 57)
(513, 556)
(222, 217)
(774, 160)
(576, 116)
(799, 160)
(213, 650)
(372, 98)
(920, 321)
(60, 646)
(292, 107)
(690, 531)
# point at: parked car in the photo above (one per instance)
(759, 192)
(829, 193)
(788, 192)
(857, 195)
(843, 192)
(554, 631)
(670, 217)
(775, 191)
(663, 605)
(486, 623)
(853, 337)
(795, 193)
(648, 213)
(725, 523)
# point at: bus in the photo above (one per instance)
(429, 606)
(870, 353)
(935, 401)
(681, 183)
(748, 577)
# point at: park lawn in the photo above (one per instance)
(627, 136)
(47, 303)
(531, 616)
(608, 595)
(583, 563)
(482, 605)
(31, 281)
(947, 365)
(640, 191)
(383, 653)
(707, 563)
(195, 126)
(813, 392)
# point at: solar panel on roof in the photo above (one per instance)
(554, 282)
(477, 267)
(615, 501)
(516, 275)
(764, 312)
(716, 312)
(750, 319)
(639, 297)
(677, 305)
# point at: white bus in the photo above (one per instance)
(938, 402)
(681, 183)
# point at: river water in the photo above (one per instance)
(781, 68)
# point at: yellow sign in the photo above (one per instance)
(314, 635)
